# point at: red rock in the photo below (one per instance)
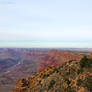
(57, 58)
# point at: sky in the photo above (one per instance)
(46, 23)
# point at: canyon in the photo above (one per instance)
(19, 62)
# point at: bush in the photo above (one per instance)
(70, 61)
(89, 83)
(80, 71)
(52, 82)
(83, 61)
(86, 62)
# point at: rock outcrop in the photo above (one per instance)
(70, 77)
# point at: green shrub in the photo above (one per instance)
(52, 82)
(83, 61)
(86, 62)
(89, 83)
(70, 61)
(80, 71)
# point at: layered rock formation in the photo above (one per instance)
(57, 58)
(72, 76)
(16, 63)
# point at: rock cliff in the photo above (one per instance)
(72, 76)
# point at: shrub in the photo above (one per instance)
(86, 62)
(89, 83)
(52, 82)
(83, 61)
(80, 71)
(70, 61)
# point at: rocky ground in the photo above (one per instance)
(72, 76)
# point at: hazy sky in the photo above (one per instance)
(38, 22)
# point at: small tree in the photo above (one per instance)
(86, 62)
(83, 61)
